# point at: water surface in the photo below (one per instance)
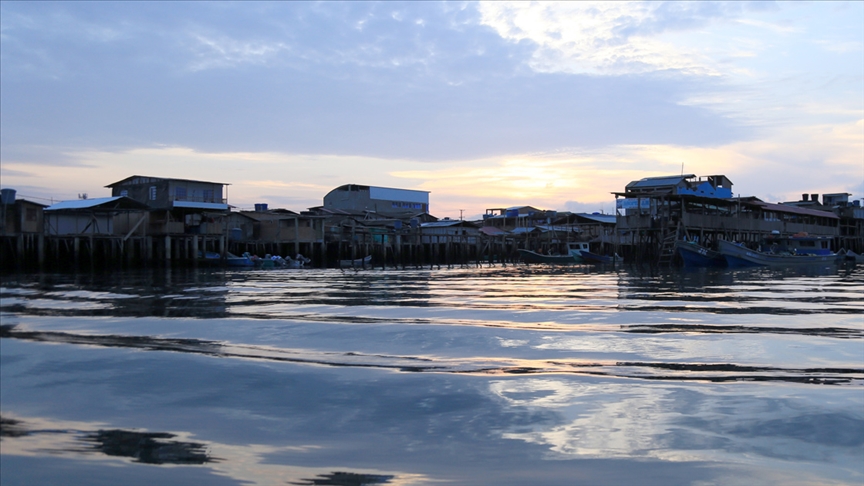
(472, 375)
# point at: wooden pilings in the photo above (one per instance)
(39, 252)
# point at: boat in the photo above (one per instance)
(574, 255)
(233, 260)
(529, 256)
(850, 256)
(595, 258)
(738, 255)
(230, 260)
(695, 255)
(299, 261)
(357, 262)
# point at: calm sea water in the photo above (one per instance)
(501, 375)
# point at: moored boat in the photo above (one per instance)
(595, 258)
(357, 262)
(850, 256)
(529, 256)
(229, 260)
(738, 255)
(574, 255)
(695, 255)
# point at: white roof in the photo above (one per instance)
(81, 203)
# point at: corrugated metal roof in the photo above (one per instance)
(520, 208)
(165, 179)
(492, 231)
(600, 218)
(783, 208)
(563, 229)
(444, 223)
(268, 216)
(522, 230)
(116, 202)
(660, 181)
(26, 201)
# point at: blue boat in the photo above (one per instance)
(230, 260)
(781, 252)
(695, 255)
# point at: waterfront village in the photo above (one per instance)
(163, 221)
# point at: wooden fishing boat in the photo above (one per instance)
(229, 260)
(850, 256)
(738, 255)
(574, 255)
(695, 255)
(595, 258)
(529, 256)
(357, 262)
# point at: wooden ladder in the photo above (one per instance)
(667, 246)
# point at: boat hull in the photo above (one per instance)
(529, 256)
(230, 260)
(595, 258)
(741, 256)
(359, 262)
(694, 255)
(850, 256)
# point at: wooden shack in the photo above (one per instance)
(653, 213)
(94, 216)
(278, 232)
(22, 217)
(177, 206)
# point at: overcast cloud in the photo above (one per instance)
(419, 93)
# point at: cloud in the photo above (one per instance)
(221, 52)
(610, 37)
(485, 104)
(16, 173)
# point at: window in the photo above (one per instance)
(180, 193)
(207, 195)
(152, 193)
(124, 193)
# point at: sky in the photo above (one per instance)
(483, 104)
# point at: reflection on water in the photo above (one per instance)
(616, 420)
(494, 375)
(36, 437)
(345, 479)
(714, 372)
(143, 447)
(147, 447)
(275, 294)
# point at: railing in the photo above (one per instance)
(744, 223)
(200, 199)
